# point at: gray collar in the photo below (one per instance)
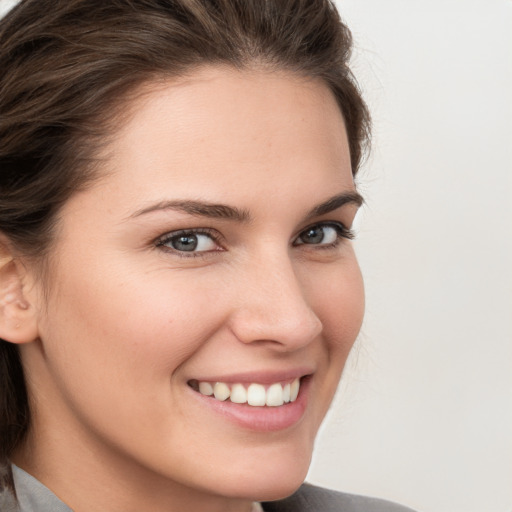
(33, 496)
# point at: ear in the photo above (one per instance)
(18, 322)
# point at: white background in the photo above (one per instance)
(5, 5)
(424, 414)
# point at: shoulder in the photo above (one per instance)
(310, 498)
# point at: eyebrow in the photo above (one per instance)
(198, 209)
(223, 211)
(336, 202)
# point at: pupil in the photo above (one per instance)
(313, 236)
(185, 243)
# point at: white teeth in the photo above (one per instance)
(221, 391)
(286, 393)
(255, 394)
(275, 395)
(205, 388)
(294, 390)
(238, 394)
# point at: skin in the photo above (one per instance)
(127, 322)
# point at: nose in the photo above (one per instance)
(272, 307)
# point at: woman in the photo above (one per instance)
(178, 287)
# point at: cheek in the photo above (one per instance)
(337, 297)
(166, 319)
(347, 307)
(338, 300)
(120, 335)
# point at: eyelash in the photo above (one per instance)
(342, 233)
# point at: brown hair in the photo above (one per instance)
(67, 68)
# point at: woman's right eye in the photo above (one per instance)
(189, 243)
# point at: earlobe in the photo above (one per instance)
(17, 316)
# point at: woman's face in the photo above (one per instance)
(214, 249)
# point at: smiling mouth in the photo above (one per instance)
(254, 394)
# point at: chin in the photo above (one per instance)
(269, 479)
(278, 489)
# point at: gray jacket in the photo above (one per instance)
(33, 496)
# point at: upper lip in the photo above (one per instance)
(259, 376)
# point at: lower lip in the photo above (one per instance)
(262, 419)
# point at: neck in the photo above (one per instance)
(86, 482)
(90, 474)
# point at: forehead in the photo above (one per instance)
(224, 132)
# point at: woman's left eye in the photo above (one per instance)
(323, 234)
(189, 242)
